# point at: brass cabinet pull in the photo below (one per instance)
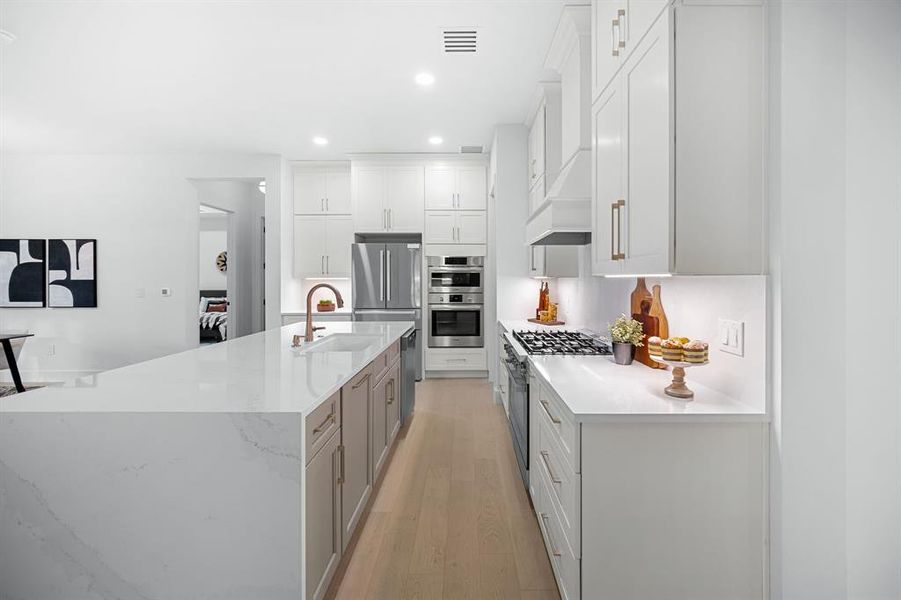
(553, 550)
(547, 409)
(322, 426)
(621, 27)
(547, 465)
(391, 399)
(341, 465)
(359, 383)
(613, 36)
(616, 232)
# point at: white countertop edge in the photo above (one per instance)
(16, 404)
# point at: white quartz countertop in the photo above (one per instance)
(259, 373)
(595, 388)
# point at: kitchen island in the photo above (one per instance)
(238, 470)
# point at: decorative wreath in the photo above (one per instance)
(222, 261)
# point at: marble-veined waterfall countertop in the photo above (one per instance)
(259, 373)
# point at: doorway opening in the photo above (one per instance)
(212, 273)
(231, 257)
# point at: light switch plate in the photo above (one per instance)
(732, 337)
(166, 291)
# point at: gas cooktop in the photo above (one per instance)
(560, 342)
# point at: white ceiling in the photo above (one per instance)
(264, 76)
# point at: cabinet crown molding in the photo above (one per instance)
(573, 28)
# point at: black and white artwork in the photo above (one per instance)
(72, 266)
(22, 268)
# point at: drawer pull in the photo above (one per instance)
(547, 465)
(359, 383)
(553, 550)
(322, 426)
(391, 399)
(547, 409)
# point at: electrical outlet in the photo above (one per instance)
(732, 337)
(51, 350)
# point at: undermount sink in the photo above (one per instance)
(341, 342)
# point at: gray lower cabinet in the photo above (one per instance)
(356, 485)
(379, 425)
(323, 517)
(392, 402)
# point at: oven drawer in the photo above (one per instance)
(453, 359)
(564, 485)
(562, 423)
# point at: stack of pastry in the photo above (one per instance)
(671, 349)
(695, 351)
(654, 345)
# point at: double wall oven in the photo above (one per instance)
(456, 301)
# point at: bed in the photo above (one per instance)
(213, 316)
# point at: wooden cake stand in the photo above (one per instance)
(678, 389)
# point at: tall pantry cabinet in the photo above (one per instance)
(677, 138)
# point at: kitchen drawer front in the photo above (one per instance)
(567, 567)
(443, 359)
(320, 424)
(393, 352)
(564, 485)
(383, 361)
(563, 424)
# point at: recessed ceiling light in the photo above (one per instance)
(320, 141)
(425, 79)
(435, 140)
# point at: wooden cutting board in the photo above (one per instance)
(658, 313)
(639, 295)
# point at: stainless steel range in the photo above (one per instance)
(538, 343)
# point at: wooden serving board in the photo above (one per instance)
(548, 323)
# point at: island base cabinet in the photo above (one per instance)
(356, 484)
(323, 518)
(678, 511)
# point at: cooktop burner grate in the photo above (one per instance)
(560, 342)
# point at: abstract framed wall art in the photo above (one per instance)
(22, 273)
(72, 269)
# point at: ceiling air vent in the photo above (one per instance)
(470, 149)
(462, 39)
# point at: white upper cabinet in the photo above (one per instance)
(405, 199)
(337, 192)
(440, 187)
(472, 227)
(387, 198)
(455, 187)
(322, 245)
(617, 27)
(321, 191)
(536, 147)
(692, 204)
(456, 227)
(472, 187)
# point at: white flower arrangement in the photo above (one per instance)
(626, 331)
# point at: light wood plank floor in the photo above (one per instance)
(452, 518)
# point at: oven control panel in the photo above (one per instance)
(456, 298)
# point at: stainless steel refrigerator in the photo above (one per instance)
(387, 286)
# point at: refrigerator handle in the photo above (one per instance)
(416, 278)
(388, 277)
(381, 275)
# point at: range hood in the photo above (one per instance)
(564, 218)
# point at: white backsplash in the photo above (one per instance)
(693, 308)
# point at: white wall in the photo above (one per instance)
(211, 240)
(515, 294)
(693, 307)
(143, 211)
(835, 262)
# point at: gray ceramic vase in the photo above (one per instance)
(623, 353)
